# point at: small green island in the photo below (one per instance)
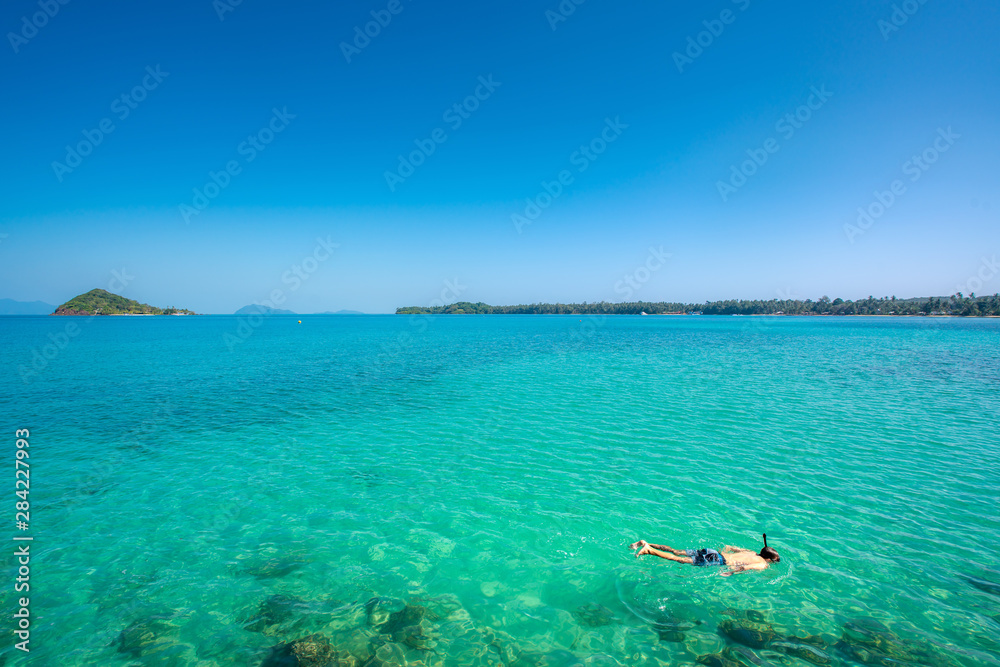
(956, 305)
(102, 302)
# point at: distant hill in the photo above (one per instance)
(342, 312)
(101, 302)
(257, 309)
(11, 307)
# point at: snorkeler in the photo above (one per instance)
(735, 558)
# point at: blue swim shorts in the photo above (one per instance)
(702, 557)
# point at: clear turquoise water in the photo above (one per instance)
(494, 469)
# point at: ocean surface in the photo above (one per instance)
(462, 490)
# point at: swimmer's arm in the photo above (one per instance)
(733, 550)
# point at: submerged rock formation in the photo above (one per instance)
(273, 611)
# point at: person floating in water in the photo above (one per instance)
(735, 558)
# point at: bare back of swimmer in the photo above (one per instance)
(735, 559)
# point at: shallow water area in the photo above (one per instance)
(462, 490)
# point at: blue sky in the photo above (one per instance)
(889, 92)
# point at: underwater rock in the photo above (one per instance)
(272, 568)
(870, 634)
(748, 633)
(594, 615)
(671, 636)
(666, 620)
(311, 651)
(421, 636)
(407, 616)
(863, 655)
(273, 611)
(378, 610)
(357, 642)
(891, 656)
(749, 615)
(716, 660)
(870, 642)
(343, 659)
(447, 606)
(413, 626)
(868, 627)
(453, 631)
(744, 656)
(468, 650)
(983, 585)
(509, 653)
(812, 640)
(138, 637)
(508, 648)
(802, 651)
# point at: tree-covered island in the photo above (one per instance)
(957, 305)
(102, 302)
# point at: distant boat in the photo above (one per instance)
(645, 313)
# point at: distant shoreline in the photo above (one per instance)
(957, 305)
(935, 317)
(932, 317)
